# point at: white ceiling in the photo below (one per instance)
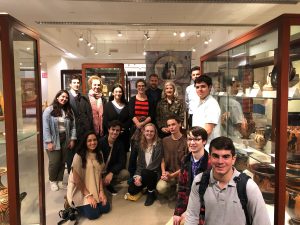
(63, 21)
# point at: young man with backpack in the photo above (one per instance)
(195, 162)
(219, 197)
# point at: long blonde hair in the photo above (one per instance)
(143, 141)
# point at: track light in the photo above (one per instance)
(182, 34)
(206, 42)
(120, 34)
(92, 47)
(89, 44)
(80, 38)
(198, 35)
(96, 53)
(146, 35)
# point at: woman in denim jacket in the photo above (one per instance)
(59, 134)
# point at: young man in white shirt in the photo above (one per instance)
(207, 113)
(191, 97)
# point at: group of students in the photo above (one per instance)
(92, 137)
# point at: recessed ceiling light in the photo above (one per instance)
(174, 33)
(144, 53)
(120, 34)
(28, 48)
(182, 34)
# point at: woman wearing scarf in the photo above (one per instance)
(97, 101)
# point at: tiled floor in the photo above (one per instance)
(123, 212)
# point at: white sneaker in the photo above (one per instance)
(61, 185)
(53, 186)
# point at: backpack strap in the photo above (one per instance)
(241, 183)
(203, 184)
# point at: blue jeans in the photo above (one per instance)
(93, 213)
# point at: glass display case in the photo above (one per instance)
(256, 82)
(22, 183)
(110, 73)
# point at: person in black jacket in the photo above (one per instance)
(117, 109)
(83, 114)
(141, 111)
(114, 157)
(195, 162)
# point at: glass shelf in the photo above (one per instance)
(21, 136)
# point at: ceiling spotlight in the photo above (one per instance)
(109, 54)
(198, 35)
(96, 53)
(182, 34)
(193, 49)
(28, 48)
(80, 38)
(144, 53)
(206, 42)
(89, 44)
(209, 40)
(120, 34)
(92, 47)
(175, 34)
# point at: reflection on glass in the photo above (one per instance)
(293, 132)
(25, 62)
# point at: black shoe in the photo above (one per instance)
(151, 197)
(111, 189)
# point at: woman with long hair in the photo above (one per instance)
(85, 187)
(59, 134)
(141, 111)
(148, 165)
(169, 105)
(117, 109)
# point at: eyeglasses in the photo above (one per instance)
(194, 139)
(216, 156)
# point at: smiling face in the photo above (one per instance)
(149, 132)
(114, 132)
(63, 98)
(140, 87)
(117, 93)
(96, 86)
(169, 91)
(222, 161)
(74, 85)
(91, 142)
(202, 90)
(195, 144)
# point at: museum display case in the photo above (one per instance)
(110, 73)
(21, 153)
(256, 82)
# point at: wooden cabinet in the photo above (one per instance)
(21, 153)
(256, 82)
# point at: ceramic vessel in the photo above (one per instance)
(4, 208)
(260, 140)
(293, 204)
(264, 176)
(241, 162)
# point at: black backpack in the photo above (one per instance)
(241, 182)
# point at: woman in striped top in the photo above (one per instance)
(141, 112)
